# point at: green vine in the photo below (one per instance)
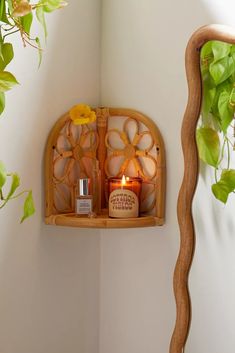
(214, 132)
(16, 18)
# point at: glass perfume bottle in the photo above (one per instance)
(83, 197)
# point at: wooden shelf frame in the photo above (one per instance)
(103, 221)
(154, 218)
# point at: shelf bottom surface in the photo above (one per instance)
(103, 221)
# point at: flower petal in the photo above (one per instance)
(82, 114)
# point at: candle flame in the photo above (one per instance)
(125, 179)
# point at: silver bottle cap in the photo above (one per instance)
(84, 186)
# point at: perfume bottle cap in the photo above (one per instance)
(84, 186)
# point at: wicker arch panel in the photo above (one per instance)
(123, 141)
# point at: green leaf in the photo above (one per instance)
(208, 144)
(3, 174)
(15, 183)
(232, 50)
(29, 208)
(51, 5)
(225, 185)
(222, 69)
(208, 98)
(39, 50)
(206, 56)
(10, 5)
(220, 49)
(2, 8)
(26, 22)
(223, 87)
(41, 18)
(1, 44)
(7, 55)
(7, 52)
(225, 110)
(7, 81)
(3, 12)
(206, 50)
(2, 102)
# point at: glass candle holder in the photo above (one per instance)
(124, 197)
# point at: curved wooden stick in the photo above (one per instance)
(184, 209)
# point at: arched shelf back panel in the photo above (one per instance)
(188, 187)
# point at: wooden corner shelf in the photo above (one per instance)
(124, 141)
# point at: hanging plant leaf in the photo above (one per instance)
(3, 12)
(3, 174)
(223, 87)
(208, 144)
(225, 185)
(15, 183)
(39, 50)
(41, 18)
(220, 49)
(220, 70)
(29, 208)
(225, 110)
(7, 81)
(7, 54)
(208, 98)
(218, 107)
(2, 102)
(206, 50)
(2, 9)
(52, 5)
(26, 22)
(206, 56)
(17, 16)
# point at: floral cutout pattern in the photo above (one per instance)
(74, 153)
(131, 152)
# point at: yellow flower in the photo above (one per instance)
(23, 8)
(82, 114)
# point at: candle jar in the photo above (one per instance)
(124, 197)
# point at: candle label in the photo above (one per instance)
(123, 203)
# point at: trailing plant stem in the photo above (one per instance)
(215, 174)
(228, 151)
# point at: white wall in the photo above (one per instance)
(61, 289)
(49, 277)
(143, 68)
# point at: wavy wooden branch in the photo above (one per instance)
(186, 194)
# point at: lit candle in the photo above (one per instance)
(124, 197)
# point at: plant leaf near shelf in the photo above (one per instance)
(16, 18)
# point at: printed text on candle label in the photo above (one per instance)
(123, 204)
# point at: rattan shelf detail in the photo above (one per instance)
(124, 141)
